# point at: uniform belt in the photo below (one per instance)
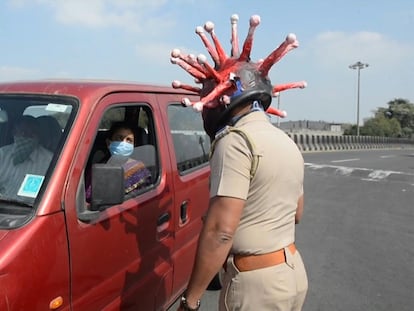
(253, 262)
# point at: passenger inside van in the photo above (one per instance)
(50, 132)
(23, 164)
(120, 146)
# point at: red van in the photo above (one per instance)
(118, 251)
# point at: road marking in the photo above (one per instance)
(346, 160)
(387, 156)
(379, 174)
(369, 179)
(364, 173)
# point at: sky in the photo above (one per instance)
(131, 40)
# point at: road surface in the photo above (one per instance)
(357, 233)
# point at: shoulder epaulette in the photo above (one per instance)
(250, 144)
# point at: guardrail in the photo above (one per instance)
(316, 142)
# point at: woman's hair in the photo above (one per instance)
(116, 126)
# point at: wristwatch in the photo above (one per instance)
(184, 305)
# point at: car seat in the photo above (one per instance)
(50, 132)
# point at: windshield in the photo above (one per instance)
(32, 133)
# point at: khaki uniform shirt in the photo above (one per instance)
(268, 219)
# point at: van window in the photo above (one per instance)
(191, 143)
(141, 169)
(113, 115)
(33, 129)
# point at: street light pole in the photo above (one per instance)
(358, 65)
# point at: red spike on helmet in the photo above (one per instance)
(232, 80)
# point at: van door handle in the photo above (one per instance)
(163, 222)
(183, 211)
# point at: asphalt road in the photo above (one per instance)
(357, 233)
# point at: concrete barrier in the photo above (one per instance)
(323, 142)
(316, 142)
(336, 142)
(313, 145)
(329, 142)
(342, 142)
(297, 142)
(305, 139)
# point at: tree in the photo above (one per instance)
(403, 111)
(395, 121)
(381, 126)
(352, 130)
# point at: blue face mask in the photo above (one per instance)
(121, 148)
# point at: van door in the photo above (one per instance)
(121, 260)
(190, 173)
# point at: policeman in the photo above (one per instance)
(256, 197)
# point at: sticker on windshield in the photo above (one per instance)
(30, 186)
(56, 107)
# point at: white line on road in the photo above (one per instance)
(387, 156)
(371, 174)
(346, 160)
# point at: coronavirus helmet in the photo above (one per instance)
(233, 80)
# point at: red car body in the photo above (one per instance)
(133, 255)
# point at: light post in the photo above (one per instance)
(358, 65)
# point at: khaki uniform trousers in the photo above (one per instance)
(278, 288)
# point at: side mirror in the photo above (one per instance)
(107, 186)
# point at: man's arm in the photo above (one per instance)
(214, 244)
(299, 210)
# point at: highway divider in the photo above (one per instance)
(317, 142)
